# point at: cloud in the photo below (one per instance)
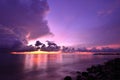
(109, 8)
(105, 12)
(9, 39)
(23, 17)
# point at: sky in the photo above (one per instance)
(78, 23)
(21, 21)
(85, 23)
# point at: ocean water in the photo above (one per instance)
(47, 66)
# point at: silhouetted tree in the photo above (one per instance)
(78, 77)
(50, 43)
(52, 46)
(67, 78)
(43, 47)
(38, 43)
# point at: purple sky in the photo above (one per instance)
(85, 22)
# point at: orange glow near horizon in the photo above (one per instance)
(37, 52)
(110, 46)
(84, 52)
(52, 52)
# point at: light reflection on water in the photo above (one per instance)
(40, 61)
(52, 66)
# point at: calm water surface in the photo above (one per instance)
(47, 66)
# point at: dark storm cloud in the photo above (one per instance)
(23, 17)
(9, 39)
(28, 14)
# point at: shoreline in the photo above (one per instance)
(108, 71)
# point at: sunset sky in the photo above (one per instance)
(80, 23)
(85, 22)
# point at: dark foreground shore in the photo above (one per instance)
(108, 71)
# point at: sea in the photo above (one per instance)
(47, 66)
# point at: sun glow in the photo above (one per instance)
(38, 52)
(43, 40)
(31, 42)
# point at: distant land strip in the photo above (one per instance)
(118, 53)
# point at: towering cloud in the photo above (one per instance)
(18, 18)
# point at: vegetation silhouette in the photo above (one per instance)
(38, 43)
(67, 78)
(51, 46)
